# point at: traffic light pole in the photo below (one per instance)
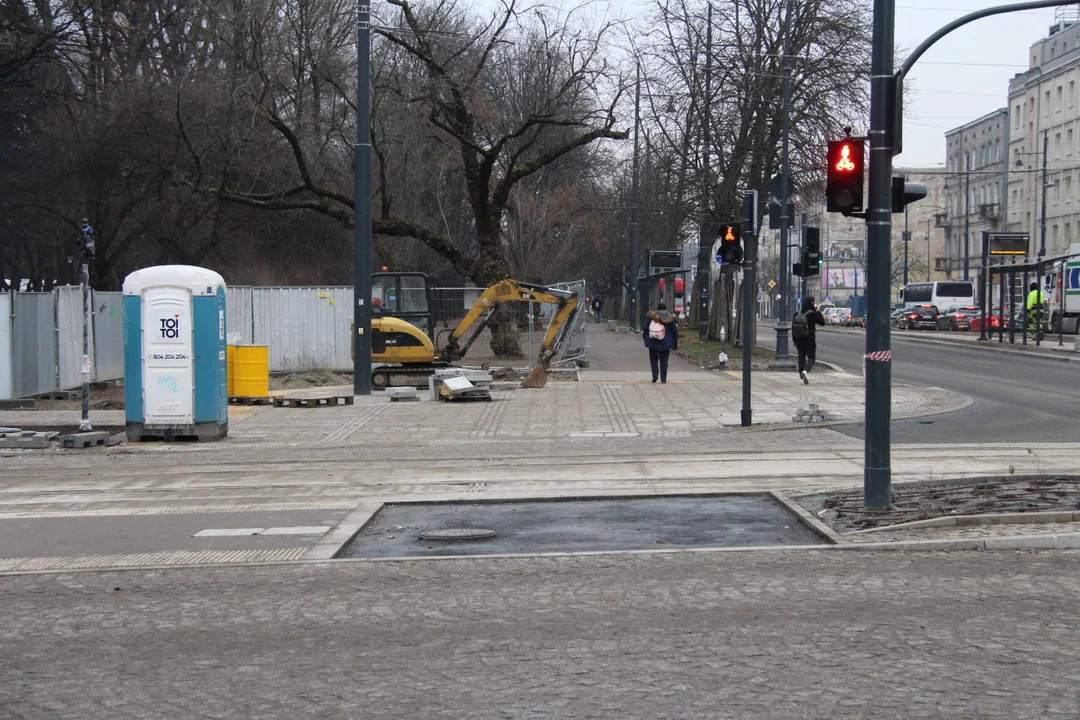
(803, 258)
(877, 470)
(749, 309)
(782, 361)
(885, 132)
(362, 206)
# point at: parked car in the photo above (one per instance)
(841, 316)
(828, 314)
(958, 317)
(854, 320)
(894, 318)
(996, 322)
(922, 317)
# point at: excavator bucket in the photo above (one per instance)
(537, 378)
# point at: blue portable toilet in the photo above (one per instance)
(175, 374)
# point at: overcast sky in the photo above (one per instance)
(962, 77)
(966, 74)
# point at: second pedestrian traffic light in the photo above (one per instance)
(730, 250)
(812, 259)
(844, 175)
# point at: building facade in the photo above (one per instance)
(1044, 141)
(975, 181)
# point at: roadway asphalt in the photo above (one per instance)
(1017, 398)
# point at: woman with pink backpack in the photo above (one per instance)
(661, 335)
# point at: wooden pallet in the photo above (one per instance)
(486, 397)
(241, 400)
(313, 402)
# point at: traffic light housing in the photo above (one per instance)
(846, 162)
(731, 251)
(904, 193)
(798, 269)
(812, 259)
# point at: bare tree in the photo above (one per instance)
(745, 83)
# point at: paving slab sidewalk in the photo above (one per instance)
(614, 398)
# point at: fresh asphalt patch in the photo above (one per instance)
(580, 526)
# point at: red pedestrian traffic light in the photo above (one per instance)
(845, 163)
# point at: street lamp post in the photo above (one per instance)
(782, 359)
(634, 250)
(705, 237)
(967, 214)
(362, 205)
(1042, 222)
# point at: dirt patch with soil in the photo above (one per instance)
(844, 511)
(110, 398)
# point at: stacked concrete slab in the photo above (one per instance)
(460, 383)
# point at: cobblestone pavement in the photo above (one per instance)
(749, 634)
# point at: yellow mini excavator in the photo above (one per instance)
(404, 341)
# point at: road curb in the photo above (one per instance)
(332, 543)
(989, 346)
(1059, 541)
(1032, 518)
(807, 517)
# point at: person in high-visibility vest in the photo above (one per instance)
(1036, 300)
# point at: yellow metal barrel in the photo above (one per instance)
(252, 368)
(230, 369)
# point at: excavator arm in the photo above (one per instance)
(515, 291)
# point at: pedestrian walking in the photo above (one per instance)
(661, 335)
(804, 333)
(597, 304)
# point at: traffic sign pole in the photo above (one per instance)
(749, 311)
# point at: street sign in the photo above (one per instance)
(665, 260)
(772, 284)
(1009, 243)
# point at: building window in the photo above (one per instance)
(1057, 145)
(1057, 99)
(1068, 234)
(1046, 107)
(997, 150)
(1016, 118)
(1068, 187)
(1069, 142)
(1072, 93)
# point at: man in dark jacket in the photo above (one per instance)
(806, 345)
(661, 335)
(597, 305)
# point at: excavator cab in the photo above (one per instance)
(407, 296)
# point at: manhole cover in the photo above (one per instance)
(457, 534)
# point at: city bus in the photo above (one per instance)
(941, 294)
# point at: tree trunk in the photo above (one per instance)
(505, 337)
